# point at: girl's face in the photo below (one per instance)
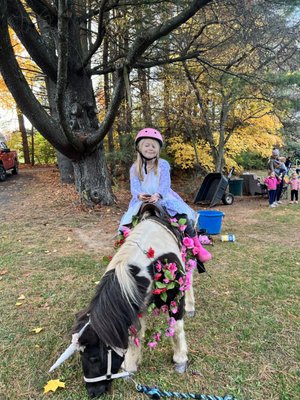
(149, 148)
(294, 176)
(272, 174)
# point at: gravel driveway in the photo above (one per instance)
(13, 189)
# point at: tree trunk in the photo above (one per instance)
(24, 136)
(145, 97)
(66, 169)
(92, 180)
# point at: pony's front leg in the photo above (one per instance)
(190, 300)
(133, 356)
(180, 347)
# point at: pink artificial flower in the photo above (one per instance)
(156, 312)
(188, 242)
(136, 341)
(181, 281)
(171, 322)
(164, 309)
(150, 253)
(133, 330)
(173, 220)
(195, 250)
(126, 231)
(158, 266)
(166, 280)
(172, 268)
(152, 345)
(192, 263)
(182, 228)
(157, 277)
(170, 332)
(174, 307)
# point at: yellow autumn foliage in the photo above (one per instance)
(259, 136)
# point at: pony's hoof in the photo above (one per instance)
(190, 313)
(180, 368)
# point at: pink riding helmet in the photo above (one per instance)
(149, 133)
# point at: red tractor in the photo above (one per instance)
(8, 160)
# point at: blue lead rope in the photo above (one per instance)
(155, 393)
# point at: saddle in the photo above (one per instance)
(153, 210)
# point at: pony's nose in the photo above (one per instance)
(96, 391)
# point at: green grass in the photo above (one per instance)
(243, 341)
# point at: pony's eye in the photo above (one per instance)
(94, 360)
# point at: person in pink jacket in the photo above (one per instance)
(271, 181)
(295, 186)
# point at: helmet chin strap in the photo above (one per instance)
(145, 159)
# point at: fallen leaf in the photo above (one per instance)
(37, 330)
(97, 282)
(69, 239)
(19, 303)
(22, 297)
(53, 385)
(3, 272)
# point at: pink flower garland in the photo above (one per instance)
(164, 280)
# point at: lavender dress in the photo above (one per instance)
(160, 183)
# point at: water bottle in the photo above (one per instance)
(228, 238)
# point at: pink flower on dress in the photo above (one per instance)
(188, 242)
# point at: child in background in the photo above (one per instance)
(271, 182)
(295, 186)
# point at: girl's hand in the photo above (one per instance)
(144, 197)
(154, 198)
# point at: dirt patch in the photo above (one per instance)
(38, 196)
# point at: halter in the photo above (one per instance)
(109, 376)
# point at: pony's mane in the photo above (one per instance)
(122, 291)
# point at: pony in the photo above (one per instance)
(101, 332)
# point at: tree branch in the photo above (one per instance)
(149, 36)
(21, 23)
(23, 95)
(100, 34)
(62, 74)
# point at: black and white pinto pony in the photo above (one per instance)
(125, 290)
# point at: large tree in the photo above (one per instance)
(65, 39)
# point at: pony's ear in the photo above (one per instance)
(88, 337)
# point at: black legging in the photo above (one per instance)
(279, 188)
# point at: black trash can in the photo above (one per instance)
(236, 186)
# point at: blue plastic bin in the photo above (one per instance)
(210, 220)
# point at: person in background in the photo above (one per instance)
(150, 182)
(295, 186)
(271, 182)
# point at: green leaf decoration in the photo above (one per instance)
(160, 285)
(182, 221)
(169, 275)
(171, 285)
(163, 296)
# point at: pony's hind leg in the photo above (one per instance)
(133, 356)
(180, 347)
(190, 301)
